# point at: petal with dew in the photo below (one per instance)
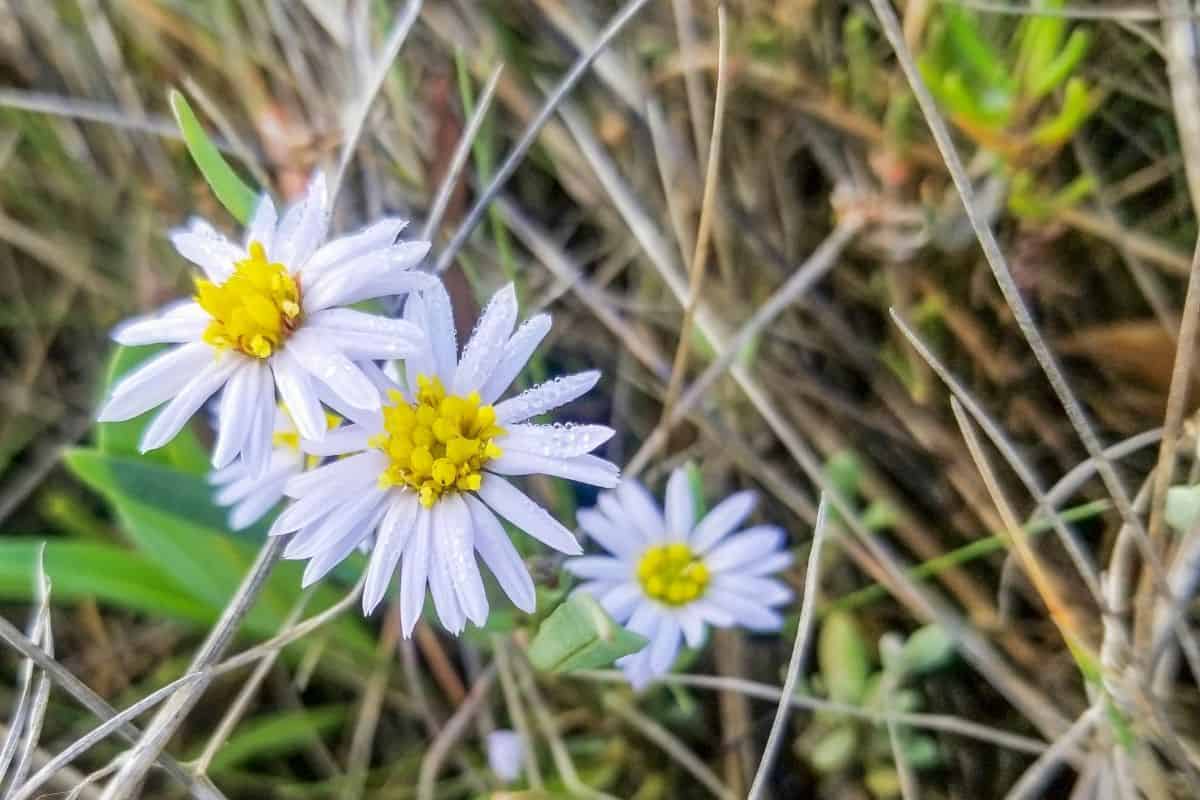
(515, 356)
(181, 408)
(414, 573)
(332, 368)
(501, 557)
(512, 504)
(482, 351)
(455, 548)
(155, 382)
(546, 397)
(390, 540)
(587, 469)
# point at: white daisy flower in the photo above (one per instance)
(670, 576)
(428, 478)
(268, 316)
(250, 496)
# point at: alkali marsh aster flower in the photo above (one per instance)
(268, 316)
(428, 479)
(670, 576)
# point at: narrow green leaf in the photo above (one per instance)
(579, 634)
(238, 198)
(170, 517)
(696, 489)
(112, 575)
(842, 655)
(1060, 69)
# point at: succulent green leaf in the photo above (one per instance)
(928, 649)
(842, 655)
(835, 751)
(1183, 507)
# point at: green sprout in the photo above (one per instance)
(1020, 102)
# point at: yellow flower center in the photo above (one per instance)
(440, 443)
(672, 574)
(255, 309)
(291, 439)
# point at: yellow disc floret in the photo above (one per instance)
(255, 309)
(672, 574)
(440, 443)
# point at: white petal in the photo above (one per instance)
(722, 520)
(394, 532)
(712, 614)
(584, 469)
(691, 622)
(254, 507)
(558, 441)
(599, 567)
(774, 563)
(622, 599)
(332, 528)
(237, 414)
(155, 382)
(545, 397)
(454, 547)
(510, 503)
(445, 600)
(208, 250)
(262, 225)
(747, 613)
(745, 548)
(443, 340)
(681, 514)
(376, 236)
(619, 541)
(767, 591)
(339, 441)
(664, 647)
(366, 336)
(344, 284)
(182, 322)
(299, 396)
(399, 280)
(414, 572)
(356, 471)
(256, 448)
(482, 351)
(517, 352)
(284, 464)
(333, 369)
(193, 395)
(336, 551)
(501, 557)
(641, 509)
(422, 362)
(303, 226)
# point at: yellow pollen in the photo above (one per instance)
(255, 309)
(672, 574)
(439, 444)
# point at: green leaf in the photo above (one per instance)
(112, 575)
(883, 782)
(921, 752)
(928, 648)
(238, 198)
(835, 751)
(1078, 104)
(845, 472)
(170, 517)
(842, 655)
(1183, 507)
(276, 734)
(184, 452)
(579, 634)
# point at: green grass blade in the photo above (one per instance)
(238, 198)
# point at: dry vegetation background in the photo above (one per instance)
(832, 208)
